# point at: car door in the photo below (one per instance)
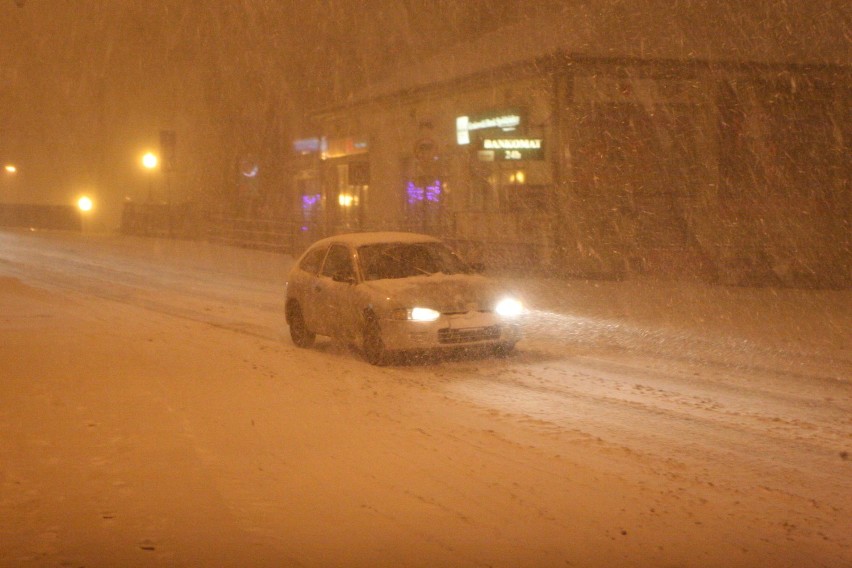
(334, 292)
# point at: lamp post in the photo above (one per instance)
(150, 162)
(85, 205)
(9, 171)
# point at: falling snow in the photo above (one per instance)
(154, 412)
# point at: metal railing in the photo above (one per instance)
(261, 234)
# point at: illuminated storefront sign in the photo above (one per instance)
(340, 147)
(499, 149)
(309, 145)
(506, 121)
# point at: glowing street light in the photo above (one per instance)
(150, 161)
(85, 204)
(10, 168)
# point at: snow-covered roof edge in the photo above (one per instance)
(791, 32)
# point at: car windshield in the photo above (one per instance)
(401, 260)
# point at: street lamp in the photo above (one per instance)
(10, 168)
(85, 204)
(150, 161)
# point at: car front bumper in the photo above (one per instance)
(450, 331)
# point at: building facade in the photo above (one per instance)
(471, 165)
(598, 166)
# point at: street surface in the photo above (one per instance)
(153, 412)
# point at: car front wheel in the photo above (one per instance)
(374, 347)
(504, 349)
(299, 332)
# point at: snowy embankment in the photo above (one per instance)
(154, 412)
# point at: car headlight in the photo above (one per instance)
(424, 314)
(509, 307)
(416, 314)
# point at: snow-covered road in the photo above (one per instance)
(154, 412)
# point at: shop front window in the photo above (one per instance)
(310, 205)
(351, 192)
(423, 199)
(311, 209)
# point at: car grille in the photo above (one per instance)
(468, 335)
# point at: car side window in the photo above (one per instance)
(312, 261)
(338, 263)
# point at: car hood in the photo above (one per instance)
(446, 293)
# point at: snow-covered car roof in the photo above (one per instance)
(375, 237)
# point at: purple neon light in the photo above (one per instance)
(416, 193)
(308, 201)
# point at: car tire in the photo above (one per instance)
(504, 349)
(299, 332)
(373, 347)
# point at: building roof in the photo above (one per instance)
(789, 32)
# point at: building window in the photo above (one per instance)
(351, 193)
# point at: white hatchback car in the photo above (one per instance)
(393, 292)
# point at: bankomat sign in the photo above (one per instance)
(508, 149)
(504, 120)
